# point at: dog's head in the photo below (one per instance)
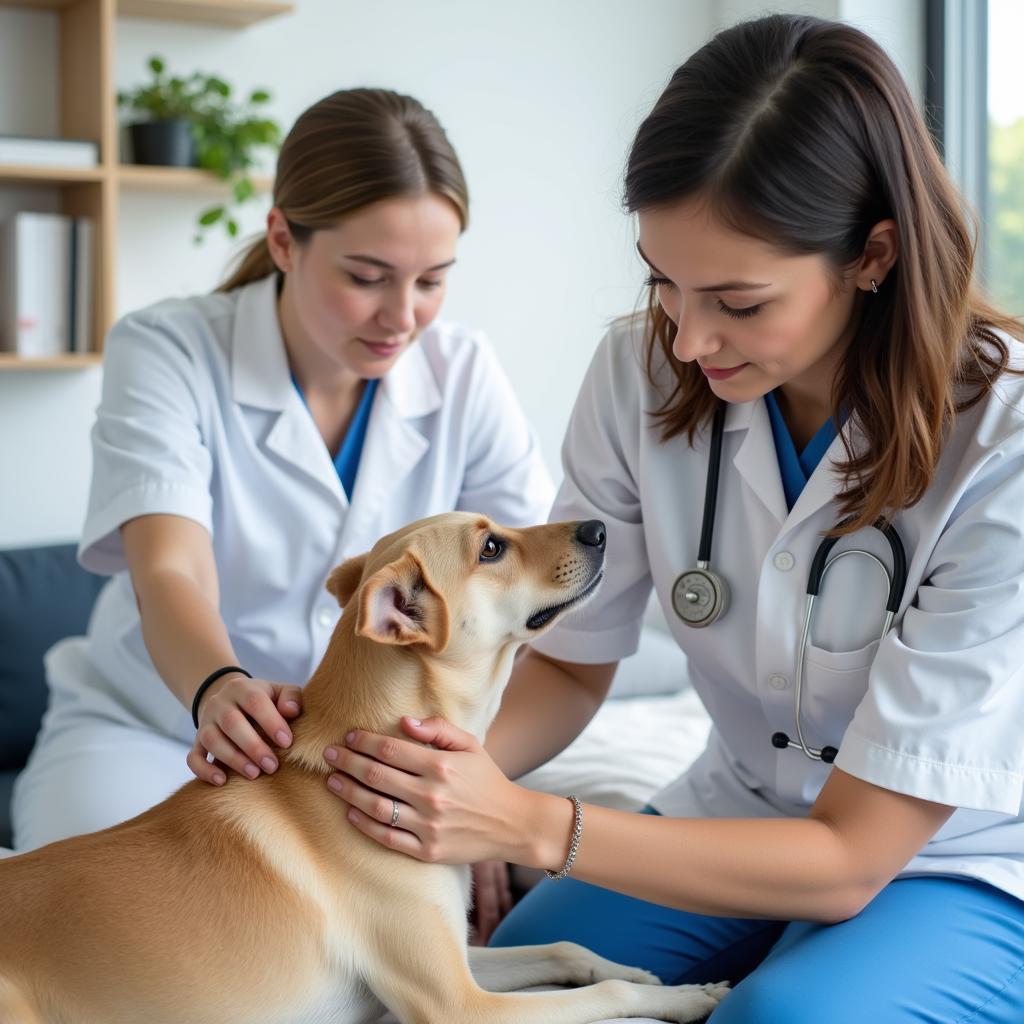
(462, 585)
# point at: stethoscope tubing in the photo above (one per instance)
(898, 579)
(707, 523)
(814, 583)
(820, 564)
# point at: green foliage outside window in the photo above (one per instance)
(1005, 241)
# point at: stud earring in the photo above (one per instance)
(874, 287)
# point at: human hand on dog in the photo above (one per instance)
(236, 715)
(455, 806)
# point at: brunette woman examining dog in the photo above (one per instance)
(850, 845)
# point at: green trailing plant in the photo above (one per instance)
(229, 134)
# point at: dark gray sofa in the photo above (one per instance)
(44, 596)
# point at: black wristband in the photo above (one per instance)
(207, 683)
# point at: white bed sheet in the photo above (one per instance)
(630, 749)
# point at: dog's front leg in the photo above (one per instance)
(508, 968)
(435, 986)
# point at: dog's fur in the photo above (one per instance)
(258, 903)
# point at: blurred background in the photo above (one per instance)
(540, 98)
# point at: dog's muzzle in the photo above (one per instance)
(591, 535)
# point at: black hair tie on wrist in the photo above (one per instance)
(207, 683)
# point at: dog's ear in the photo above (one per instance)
(344, 579)
(399, 605)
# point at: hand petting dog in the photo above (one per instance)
(455, 805)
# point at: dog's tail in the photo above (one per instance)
(15, 1007)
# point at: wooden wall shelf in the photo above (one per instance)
(179, 179)
(41, 5)
(88, 110)
(131, 176)
(18, 174)
(71, 361)
(233, 13)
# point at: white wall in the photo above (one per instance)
(539, 98)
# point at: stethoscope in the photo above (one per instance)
(700, 596)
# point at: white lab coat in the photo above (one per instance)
(199, 418)
(936, 710)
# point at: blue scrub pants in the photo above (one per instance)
(933, 949)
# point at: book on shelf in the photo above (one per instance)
(83, 281)
(31, 151)
(46, 284)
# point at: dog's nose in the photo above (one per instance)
(592, 533)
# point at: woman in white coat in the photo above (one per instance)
(248, 441)
(813, 320)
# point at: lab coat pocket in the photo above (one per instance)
(834, 683)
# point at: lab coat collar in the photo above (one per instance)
(410, 386)
(259, 361)
(261, 379)
(394, 444)
(756, 460)
(826, 481)
(758, 464)
(739, 414)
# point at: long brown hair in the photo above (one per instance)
(353, 148)
(801, 132)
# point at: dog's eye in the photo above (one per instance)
(492, 549)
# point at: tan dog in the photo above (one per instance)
(258, 903)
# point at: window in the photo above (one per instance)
(1004, 209)
(975, 105)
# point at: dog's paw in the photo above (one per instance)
(637, 975)
(586, 968)
(696, 1001)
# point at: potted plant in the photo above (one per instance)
(161, 131)
(195, 121)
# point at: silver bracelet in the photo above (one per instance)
(574, 843)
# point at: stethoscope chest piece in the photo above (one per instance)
(699, 597)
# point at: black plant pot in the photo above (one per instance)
(166, 143)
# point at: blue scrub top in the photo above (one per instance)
(346, 462)
(796, 469)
